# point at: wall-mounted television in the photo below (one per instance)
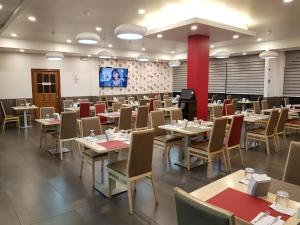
(113, 77)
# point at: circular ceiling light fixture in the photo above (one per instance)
(54, 56)
(222, 55)
(130, 31)
(143, 58)
(174, 63)
(268, 54)
(104, 55)
(87, 38)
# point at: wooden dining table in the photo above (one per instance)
(233, 181)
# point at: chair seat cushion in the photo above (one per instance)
(93, 154)
(11, 117)
(259, 131)
(119, 166)
(199, 145)
(168, 138)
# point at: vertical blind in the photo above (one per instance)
(245, 75)
(291, 85)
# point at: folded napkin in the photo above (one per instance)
(266, 220)
(287, 211)
(244, 181)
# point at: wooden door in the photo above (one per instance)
(46, 88)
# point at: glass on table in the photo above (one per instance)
(248, 173)
(92, 134)
(173, 123)
(282, 200)
(47, 117)
(196, 123)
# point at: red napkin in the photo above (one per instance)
(113, 144)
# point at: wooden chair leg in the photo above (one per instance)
(41, 139)
(228, 156)
(165, 155)
(225, 161)
(246, 144)
(154, 189)
(242, 159)
(188, 161)
(285, 141)
(81, 166)
(268, 146)
(93, 172)
(129, 191)
(61, 150)
(276, 144)
(109, 186)
(3, 126)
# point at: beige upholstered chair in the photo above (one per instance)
(176, 114)
(116, 106)
(264, 104)
(291, 172)
(206, 150)
(256, 107)
(46, 130)
(141, 121)
(161, 138)
(88, 155)
(280, 128)
(125, 119)
(143, 102)
(286, 101)
(168, 103)
(192, 211)
(138, 165)
(157, 104)
(263, 135)
(68, 129)
(217, 112)
(121, 100)
(131, 99)
(8, 118)
(67, 104)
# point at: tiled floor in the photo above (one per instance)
(37, 188)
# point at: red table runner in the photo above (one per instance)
(54, 122)
(113, 144)
(244, 206)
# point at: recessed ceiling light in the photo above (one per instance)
(1, 6)
(159, 36)
(115, 57)
(21, 50)
(259, 39)
(13, 35)
(110, 45)
(212, 46)
(194, 27)
(235, 36)
(130, 31)
(69, 41)
(143, 49)
(98, 29)
(244, 53)
(287, 1)
(31, 18)
(89, 55)
(141, 11)
(173, 52)
(156, 60)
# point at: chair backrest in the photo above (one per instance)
(2, 110)
(67, 103)
(157, 104)
(121, 100)
(286, 101)
(140, 153)
(213, 98)
(192, 211)
(217, 111)
(234, 102)
(88, 124)
(168, 102)
(131, 99)
(84, 109)
(151, 107)
(216, 139)
(116, 106)
(157, 118)
(142, 117)
(46, 110)
(256, 107)
(80, 100)
(226, 101)
(264, 104)
(125, 118)
(291, 172)
(229, 109)
(176, 114)
(68, 125)
(102, 102)
(100, 108)
(228, 97)
(235, 131)
(143, 101)
(21, 102)
(273, 120)
(283, 117)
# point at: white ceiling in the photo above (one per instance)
(70, 17)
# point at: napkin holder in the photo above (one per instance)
(56, 116)
(109, 134)
(259, 185)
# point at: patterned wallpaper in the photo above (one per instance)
(143, 77)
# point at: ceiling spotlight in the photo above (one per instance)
(89, 55)
(174, 63)
(21, 50)
(87, 38)
(172, 52)
(143, 49)
(130, 32)
(13, 35)
(259, 39)
(1, 7)
(141, 11)
(194, 27)
(31, 18)
(98, 29)
(244, 53)
(143, 58)
(54, 56)
(268, 55)
(115, 57)
(110, 45)
(69, 41)
(156, 60)
(235, 36)
(159, 36)
(287, 1)
(104, 55)
(212, 46)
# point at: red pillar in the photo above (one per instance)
(197, 71)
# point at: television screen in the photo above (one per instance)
(113, 77)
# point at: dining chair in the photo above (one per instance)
(101, 108)
(88, 155)
(233, 140)
(141, 121)
(226, 101)
(162, 139)
(116, 106)
(67, 104)
(229, 109)
(131, 99)
(256, 107)
(8, 118)
(264, 134)
(68, 130)
(217, 111)
(192, 211)
(280, 128)
(229, 97)
(138, 166)
(84, 110)
(46, 130)
(23, 102)
(207, 149)
(157, 104)
(157, 97)
(234, 102)
(264, 104)
(143, 102)
(125, 119)
(291, 174)
(176, 114)
(213, 98)
(121, 100)
(286, 101)
(168, 103)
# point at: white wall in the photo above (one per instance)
(15, 75)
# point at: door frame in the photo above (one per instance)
(33, 70)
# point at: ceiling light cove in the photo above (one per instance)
(88, 38)
(174, 63)
(130, 32)
(104, 55)
(143, 58)
(31, 18)
(54, 56)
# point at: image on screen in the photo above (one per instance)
(113, 77)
